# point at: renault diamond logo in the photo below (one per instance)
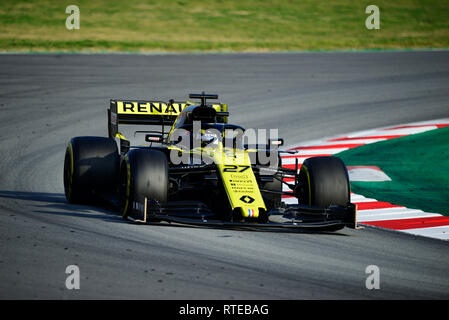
(247, 199)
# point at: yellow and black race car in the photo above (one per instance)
(195, 168)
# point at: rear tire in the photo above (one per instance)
(324, 181)
(90, 167)
(144, 173)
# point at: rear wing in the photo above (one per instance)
(139, 112)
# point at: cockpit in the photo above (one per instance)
(200, 126)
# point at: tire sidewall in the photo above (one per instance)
(144, 173)
(90, 167)
(324, 182)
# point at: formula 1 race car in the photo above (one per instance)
(198, 169)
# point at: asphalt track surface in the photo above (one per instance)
(47, 99)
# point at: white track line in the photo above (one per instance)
(432, 232)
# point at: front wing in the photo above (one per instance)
(289, 216)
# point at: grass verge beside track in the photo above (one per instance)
(417, 164)
(223, 26)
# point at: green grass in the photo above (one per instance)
(222, 25)
(417, 164)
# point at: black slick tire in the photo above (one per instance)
(144, 173)
(90, 168)
(324, 181)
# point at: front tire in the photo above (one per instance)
(324, 181)
(144, 173)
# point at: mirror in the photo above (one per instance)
(278, 142)
(153, 138)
